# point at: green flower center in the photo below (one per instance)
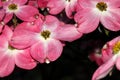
(3, 0)
(102, 6)
(68, 0)
(45, 34)
(116, 47)
(11, 48)
(12, 6)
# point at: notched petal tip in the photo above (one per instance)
(47, 61)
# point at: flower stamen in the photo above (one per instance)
(12, 6)
(116, 47)
(3, 0)
(68, 0)
(11, 48)
(45, 34)
(102, 6)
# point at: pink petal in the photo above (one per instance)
(24, 60)
(104, 69)
(86, 3)
(113, 41)
(70, 8)
(1, 3)
(118, 63)
(51, 22)
(113, 4)
(50, 50)
(7, 17)
(38, 51)
(67, 33)
(7, 32)
(23, 39)
(3, 42)
(107, 53)
(42, 3)
(20, 2)
(87, 21)
(26, 13)
(56, 6)
(112, 21)
(31, 26)
(51, 19)
(6, 60)
(2, 13)
(69, 11)
(107, 50)
(54, 49)
(6, 64)
(1, 27)
(78, 6)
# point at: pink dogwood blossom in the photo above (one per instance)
(45, 38)
(94, 11)
(10, 56)
(57, 6)
(18, 8)
(111, 57)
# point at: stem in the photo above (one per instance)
(14, 20)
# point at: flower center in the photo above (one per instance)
(11, 48)
(116, 47)
(3, 0)
(68, 0)
(12, 6)
(45, 34)
(102, 6)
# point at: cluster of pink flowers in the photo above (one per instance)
(28, 36)
(110, 56)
